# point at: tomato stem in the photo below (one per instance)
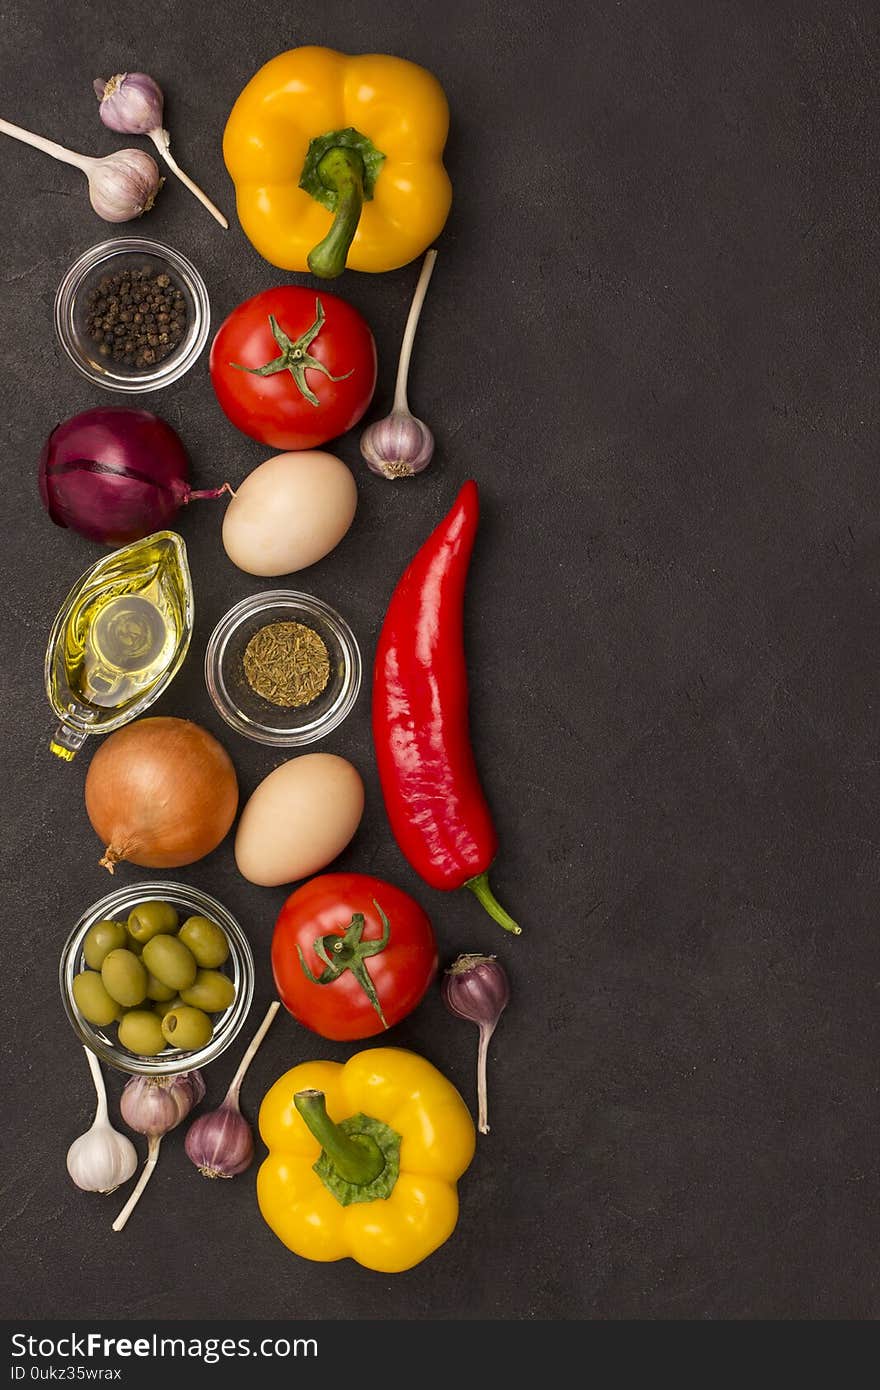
(349, 952)
(295, 357)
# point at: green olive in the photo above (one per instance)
(102, 938)
(164, 1006)
(206, 940)
(132, 944)
(125, 978)
(152, 919)
(210, 991)
(93, 1000)
(141, 1031)
(187, 1028)
(170, 961)
(159, 993)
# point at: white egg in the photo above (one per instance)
(299, 819)
(289, 513)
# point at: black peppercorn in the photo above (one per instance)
(137, 317)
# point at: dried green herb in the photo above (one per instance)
(287, 664)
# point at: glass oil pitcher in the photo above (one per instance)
(121, 635)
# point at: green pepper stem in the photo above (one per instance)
(479, 886)
(341, 170)
(356, 1158)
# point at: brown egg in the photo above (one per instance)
(299, 819)
(289, 513)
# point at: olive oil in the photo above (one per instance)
(119, 638)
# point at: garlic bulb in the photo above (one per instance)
(221, 1142)
(476, 988)
(401, 445)
(122, 185)
(154, 1105)
(102, 1158)
(132, 103)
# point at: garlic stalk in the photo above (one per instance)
(146, 1173)
(132, 103)
(401, 445)
(221, 1142)
(154, 1105)
(476, 988)
(101, 1159)
(122, 185)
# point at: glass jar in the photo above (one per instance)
(190, 902)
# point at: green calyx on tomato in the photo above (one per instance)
(295, 356)
(391, 950)
(349, 952)
(253, 359)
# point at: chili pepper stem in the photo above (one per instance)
(340, 169)
(479, 886)
(146, 1174)
(357, 1160)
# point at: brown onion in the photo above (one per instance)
(160, 793)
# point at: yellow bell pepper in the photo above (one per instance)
(339, 158)
(364, 1159)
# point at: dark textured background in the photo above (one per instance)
(652, 338)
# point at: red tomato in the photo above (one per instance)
(321, 361)
(348, 909)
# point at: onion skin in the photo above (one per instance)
(160, 793)
(115, 475)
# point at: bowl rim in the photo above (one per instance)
(264, 601)
(174, 367)
(128, 896)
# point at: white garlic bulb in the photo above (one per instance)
(102, 1158)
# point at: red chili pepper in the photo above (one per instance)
(426, 765)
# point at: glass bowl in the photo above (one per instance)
(256, 717)
(239, 966)
(110, 257)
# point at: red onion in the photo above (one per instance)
(116, 475)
